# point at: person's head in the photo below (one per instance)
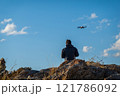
(68, 42)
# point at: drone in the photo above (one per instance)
(81, 27)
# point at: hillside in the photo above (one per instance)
(74, 70)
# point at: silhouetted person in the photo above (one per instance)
(69, 52)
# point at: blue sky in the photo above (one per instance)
(33, 32)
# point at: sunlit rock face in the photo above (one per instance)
(69, 70)
(2, 65)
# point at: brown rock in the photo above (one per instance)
(2, 66)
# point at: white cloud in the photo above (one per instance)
(2, 40)
(10, 29)
(86, 48)
(105, 54)
(108, 24)
(6, 20)
(117, 54)
(103, 21)
(115, 46)
(117, 36)
(118, 26)
(93, 15)
(99, 27)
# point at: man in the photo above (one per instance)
(69, 52)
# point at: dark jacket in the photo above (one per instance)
(70, 52)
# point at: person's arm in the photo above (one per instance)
(63, 54)
(76, 52)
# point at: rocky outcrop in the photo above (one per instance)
(42, 74)
(79, 70)
(22, 73)
(2, 65)
(69, 70)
